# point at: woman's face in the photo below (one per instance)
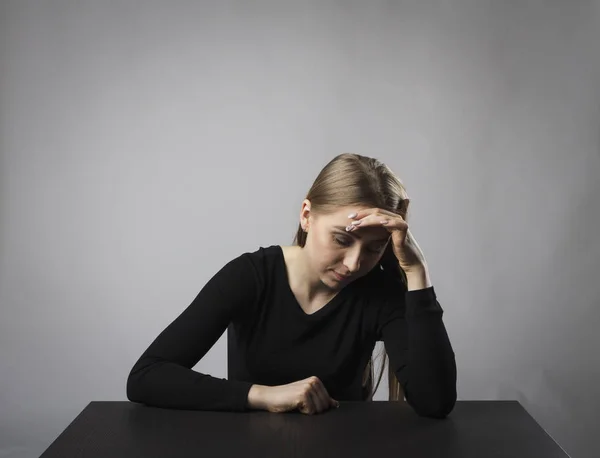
(333, 252)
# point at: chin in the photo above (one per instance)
(328, 281)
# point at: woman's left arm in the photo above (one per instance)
(419, 350)
(410, 323)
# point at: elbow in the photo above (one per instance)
(137, 383)
(133, 388)
(434, 396)
(142, 383)
(434, 406)
(439, 411)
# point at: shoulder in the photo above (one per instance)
(253, 265)
(241, 281)
(261, 258)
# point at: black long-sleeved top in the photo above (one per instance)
(272, 341)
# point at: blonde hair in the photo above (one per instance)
(354, 180)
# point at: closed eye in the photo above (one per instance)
(346, 242)
(342, 242)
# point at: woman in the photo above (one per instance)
(303, 320)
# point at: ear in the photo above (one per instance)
(305, 215)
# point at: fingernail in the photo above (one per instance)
(352, 215)
(355, 223)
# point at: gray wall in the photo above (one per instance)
(145, 144)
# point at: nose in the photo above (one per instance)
(352, 260)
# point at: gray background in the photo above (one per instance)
(145, 144)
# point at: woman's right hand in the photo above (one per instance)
(309, 396)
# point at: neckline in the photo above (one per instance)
(324, 310)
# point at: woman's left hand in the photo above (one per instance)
(405, 247)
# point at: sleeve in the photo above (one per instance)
(419, 350)
(163, 375)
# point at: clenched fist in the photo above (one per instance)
(308, 396)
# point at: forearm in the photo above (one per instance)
(169, 385)
(431, 371)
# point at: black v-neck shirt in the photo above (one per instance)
(272, 341)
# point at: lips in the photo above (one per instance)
(340, 276)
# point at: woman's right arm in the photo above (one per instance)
(163, 375)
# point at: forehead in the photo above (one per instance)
(338, 220)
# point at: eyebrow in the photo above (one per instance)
(343, 229)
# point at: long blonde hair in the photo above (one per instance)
(352, 179)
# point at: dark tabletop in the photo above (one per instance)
(475, 429)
